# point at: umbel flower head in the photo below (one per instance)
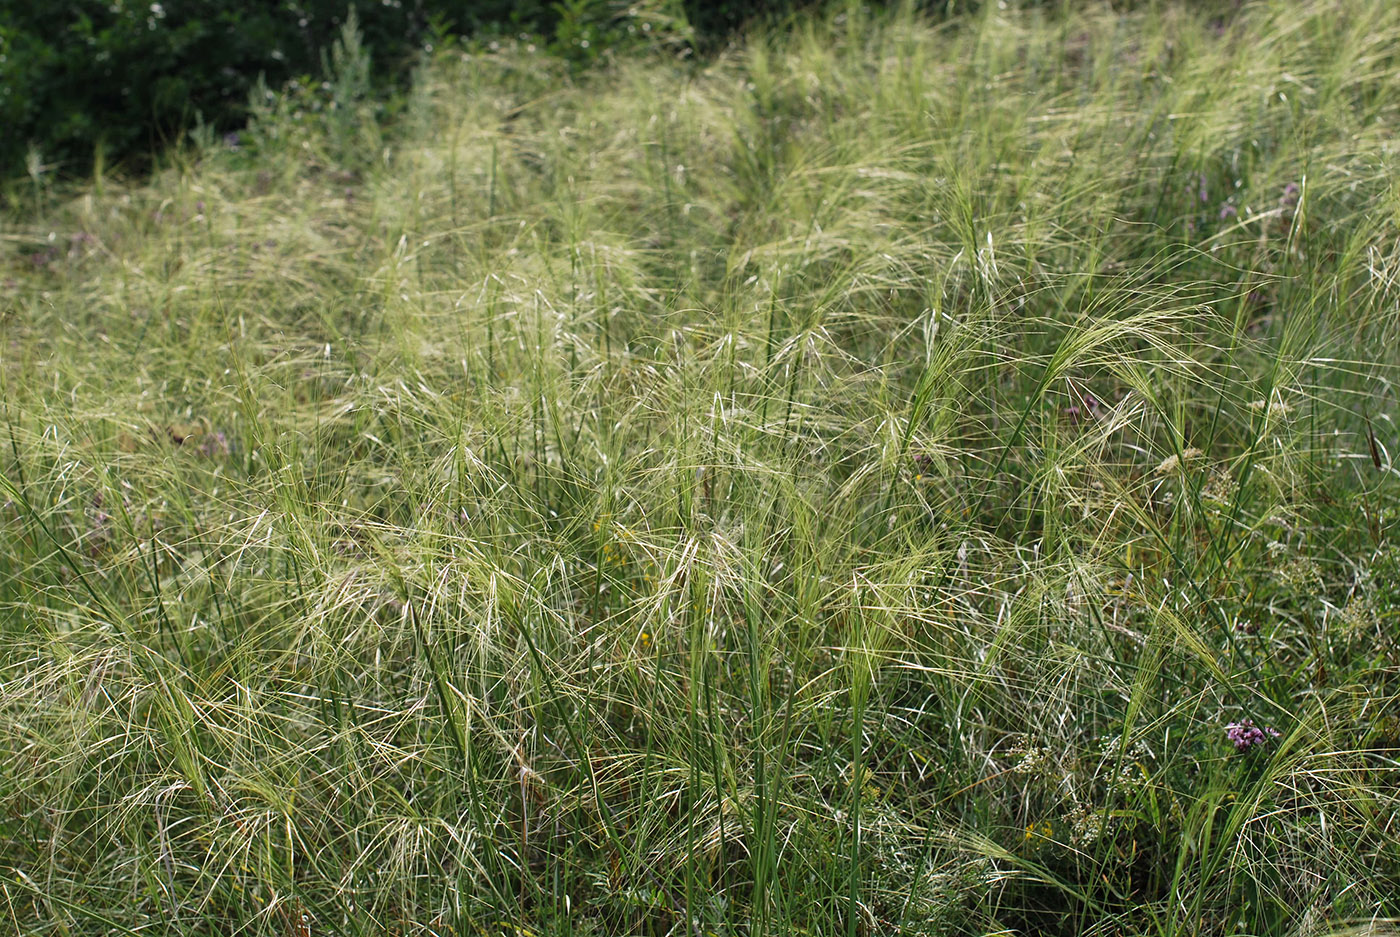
(1245, 734)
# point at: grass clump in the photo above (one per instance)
(872, 482)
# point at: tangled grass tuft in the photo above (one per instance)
(848, 487)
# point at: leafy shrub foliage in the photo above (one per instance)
(123, 78)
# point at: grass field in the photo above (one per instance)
(893, 477)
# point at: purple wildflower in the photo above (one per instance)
(1086, 406)
(231, 140)
(1227, 211)
(213, 445)
(42, 259)
(1245, 734)
(1199, 178)
(1290, 195)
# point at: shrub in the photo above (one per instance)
(126, 78)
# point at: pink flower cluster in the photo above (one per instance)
(1245, 735)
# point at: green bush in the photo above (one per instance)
(125, 78)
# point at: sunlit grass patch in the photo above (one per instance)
(894, 477)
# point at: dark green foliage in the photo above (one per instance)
(717, 20)
(128, 77)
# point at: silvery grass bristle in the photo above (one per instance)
(851, 484)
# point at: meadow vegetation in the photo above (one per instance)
(890, 477)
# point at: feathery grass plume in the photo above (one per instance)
(505, 519)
